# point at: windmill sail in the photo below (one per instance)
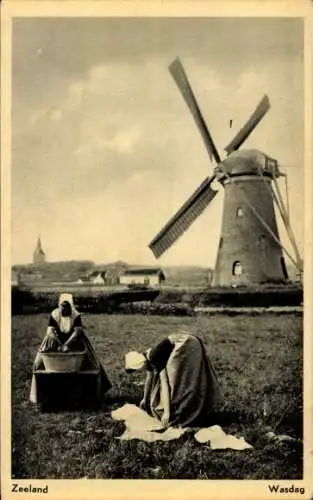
(254, 119)
(179, 75)
(183, 219)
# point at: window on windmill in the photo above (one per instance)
(237, 268)
(262, 242)
(239, 212)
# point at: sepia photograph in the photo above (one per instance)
(156, 219)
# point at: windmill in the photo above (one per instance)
(250, 250)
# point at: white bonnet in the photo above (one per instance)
(66, 297)
(134, 360)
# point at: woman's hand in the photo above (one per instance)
(165, 419)
(165, 394)
(70, 340)
(51, 335)
(64, 348)
(142, 404)
(52, 339)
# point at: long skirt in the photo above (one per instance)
(194, 389)
(90, 362)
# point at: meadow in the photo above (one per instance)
(258, 360)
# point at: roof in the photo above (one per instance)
(142, 271)
(247, 162)
(95, 274)
(38, 248)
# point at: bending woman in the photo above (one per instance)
(181, 387)
(65, 333)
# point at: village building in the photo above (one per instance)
(94, 278)
(142, 276)
(112, 276)
(83, 280)
(98, 277)
(108, 276)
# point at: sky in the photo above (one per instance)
(105, 150)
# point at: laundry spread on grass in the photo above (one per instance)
(140, 425)
(219, 440)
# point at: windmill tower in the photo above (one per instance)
(250, 250)
(39, 256)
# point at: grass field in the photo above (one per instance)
(258, 360)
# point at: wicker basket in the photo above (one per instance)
(63, 362)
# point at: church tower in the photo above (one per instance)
(39, 256)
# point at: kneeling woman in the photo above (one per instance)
(181, 387)
(64, 334)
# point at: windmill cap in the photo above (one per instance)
(247, 162)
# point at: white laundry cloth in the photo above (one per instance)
(219, 440)
(139, 425)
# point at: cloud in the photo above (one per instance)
(75, 94)
(122, 142)
(125, 141)
(52, 113)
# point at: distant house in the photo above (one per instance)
(142, 276)
(94, 278)
(98, 278)
(113, 275)
(83, 280)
